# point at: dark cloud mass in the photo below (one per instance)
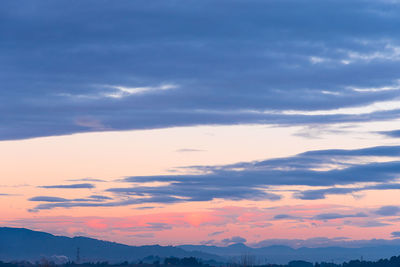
(395, 133)
(70, 67)
(388, 210)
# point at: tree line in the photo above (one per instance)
(194, 262)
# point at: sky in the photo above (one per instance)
(202, 122)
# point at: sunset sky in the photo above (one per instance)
(201, 122)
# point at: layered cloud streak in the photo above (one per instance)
(336, 171)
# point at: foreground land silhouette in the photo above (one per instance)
(193, 262)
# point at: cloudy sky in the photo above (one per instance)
(202, 122)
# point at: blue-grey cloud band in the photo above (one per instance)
(166, 64)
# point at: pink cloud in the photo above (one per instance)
(97, 224)
(253, 223)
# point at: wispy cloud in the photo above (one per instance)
(144, 208)
(396, 234)
(216, 233)
(322, 193)
(334, 216)
(285, 217)
(69, 186)
(234, 239)
(99, 197)
(367, 224)
(394, 133)
(86, 180)
(93, 198)
(144, 235)
(48, 199)
(185, 150)
(122, 91)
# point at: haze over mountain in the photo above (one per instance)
(24, 244)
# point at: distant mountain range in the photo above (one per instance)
(284, 254)
(24, 244)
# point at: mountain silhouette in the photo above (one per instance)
(284, 254)
(24, 244)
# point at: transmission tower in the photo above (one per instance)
(78, 255)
